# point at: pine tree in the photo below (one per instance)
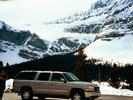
(80, 66)
(130, 76)
(114, 76)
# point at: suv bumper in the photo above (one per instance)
(92, 94)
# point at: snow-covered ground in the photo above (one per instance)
(9, 84)
(117, 50)
(12, 57)
(105, 89)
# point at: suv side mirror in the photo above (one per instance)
(63, 80)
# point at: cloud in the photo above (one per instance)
(19, 13)
(44, 9)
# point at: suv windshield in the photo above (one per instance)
(71, 77)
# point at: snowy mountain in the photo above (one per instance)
(112, 22)
(114, 41)
(18, 46)
(107, 26)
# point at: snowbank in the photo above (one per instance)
(9, 84)
(106, 89)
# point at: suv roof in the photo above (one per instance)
(43, 71)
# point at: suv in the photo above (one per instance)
(53, 84)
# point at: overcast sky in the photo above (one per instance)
(40, 10)
(31, 14)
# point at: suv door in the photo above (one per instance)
(57, 85)
(42, 84)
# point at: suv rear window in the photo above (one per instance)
(44, 76)
(26, 75)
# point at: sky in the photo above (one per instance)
(31, 14)
(40, 10)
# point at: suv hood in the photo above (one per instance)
(83, 83)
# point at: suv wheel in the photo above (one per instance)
(41, 97)
(26, 94)
(77, 96)
(91, 98)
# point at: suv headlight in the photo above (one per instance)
(90, 88)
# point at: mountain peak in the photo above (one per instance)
(105, 3)
(99, 4)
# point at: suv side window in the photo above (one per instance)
(57, 77)
(44, 76)
(26, 75)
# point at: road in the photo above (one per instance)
(13, 96)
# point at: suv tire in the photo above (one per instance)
(90, 98)
(77, 96)
(26, 94)
(41, 97)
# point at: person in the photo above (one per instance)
(3, 78)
